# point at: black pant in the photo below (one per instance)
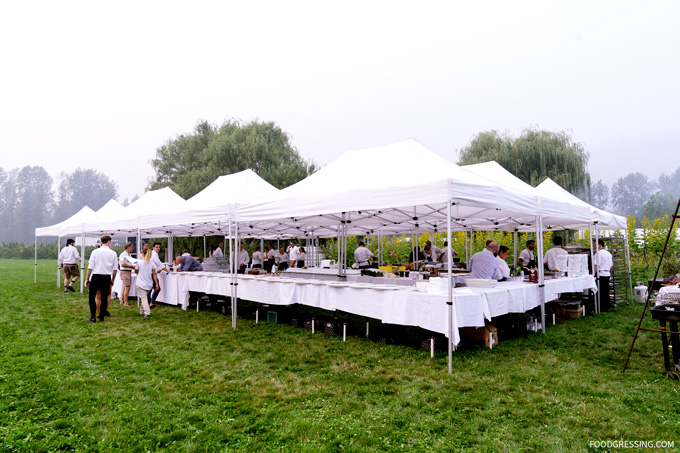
(605, 302)
(102, 283)
(300, 264)
(283, 266)
(155, 292)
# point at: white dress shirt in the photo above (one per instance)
(445, 255)
(243, 258)
(257, 258)
(68, 255)
(103, 261)
(125, 258)
(503, 268)
(362, 256)
(550, 255)
(293, 252)
(483, 265)
(156, 261)
(218, 253)
(281, 258)
(604, 263)
(526, 255)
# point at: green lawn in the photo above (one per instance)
(186, 381)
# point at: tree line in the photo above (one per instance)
(28, 200)
(536, 154)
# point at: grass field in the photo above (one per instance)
(185, 381)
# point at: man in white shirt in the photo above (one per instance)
(69, 259)
(218, 254)
(101, 272)
(603, 267)
(293, 251)
(526, 257)
(362, 256)
(503, 268)
(444, 255)
(436, 251)
(126, 267)
(243, 260)
(484, 264)
(549, 258)
(159, 267)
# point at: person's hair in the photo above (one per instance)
(503, 249)
(361, 244)
(446, 243)
(127, 244)
(104, 239)
(156, 243)
(70, 241)
(601, 242)
(302, 249)
(144, 243)
(185, 251)
(257, 247)
(557, 240)
(147, 256)
(488, 241)
(530, 241)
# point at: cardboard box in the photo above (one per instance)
(485, 334)
(566, 312)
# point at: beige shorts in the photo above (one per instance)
(71, 270)
(126, 276)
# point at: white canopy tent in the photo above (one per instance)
(73, 226)
(381, 188)
(599, 220)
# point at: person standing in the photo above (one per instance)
(243, 259)
(68, 260)
(126, 267)
(484, 264)
(258, 259)
(300, 262)
(603, 267)
(146, 281)
(269, 258)
(503, 268)
(218, 253)
(549, 258)
(444, 256)
(101, 272)
(293, 251)
(362, 256)
(526, 257)
(281, 260)
(156, 261)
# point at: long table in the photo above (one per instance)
(391, 304)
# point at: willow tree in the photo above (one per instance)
(533, 156)
(190, 162)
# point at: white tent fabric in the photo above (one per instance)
(604, 220)
(126, 220)
(72, 226)
(207, 212)
(558, 212)
(395, 186)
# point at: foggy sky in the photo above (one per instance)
(102, 85)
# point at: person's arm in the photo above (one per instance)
(155, 277)
(87, 277)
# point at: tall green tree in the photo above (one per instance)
(533, 156)
(670, 184)
(659, 205)
(34, 202)
(83, 187)
(599, 195)
(190, 162)
(629, 193)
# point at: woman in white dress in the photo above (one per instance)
(146, 281)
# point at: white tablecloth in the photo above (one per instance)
(169, 288)
(398, 305)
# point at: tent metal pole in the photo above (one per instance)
(234, 300)
(35, 268)
(82, 260)
(597, 280)
(514, 240)
(58, 268)
(205, 255)
(630, 274)
(449, 302)
(593, 245)
(541, 275)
